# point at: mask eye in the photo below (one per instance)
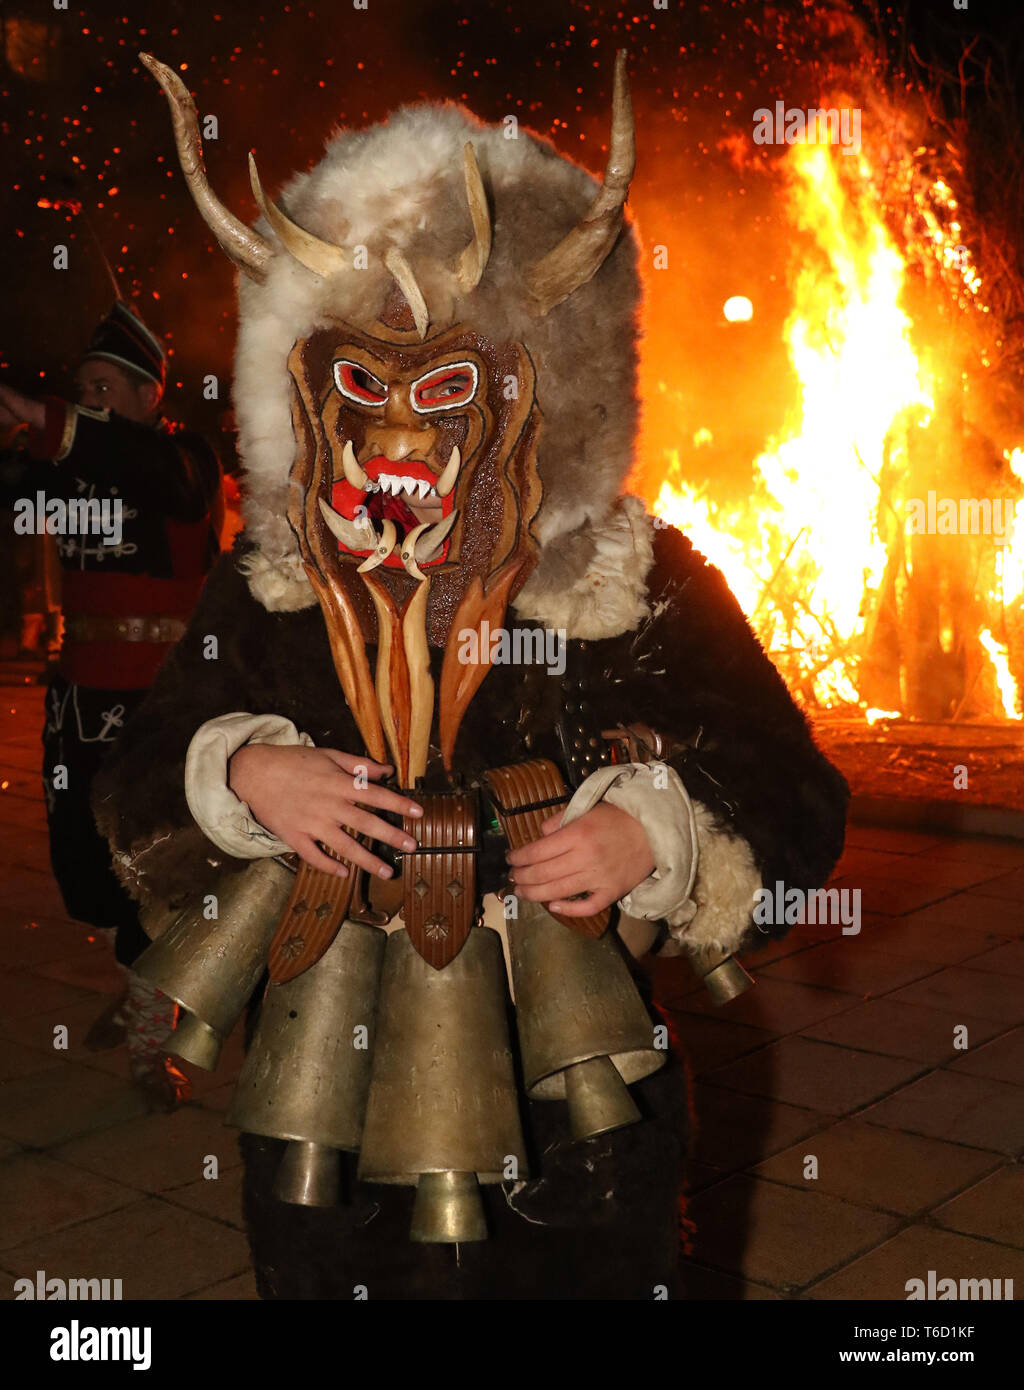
(446, 387)
(358, 384)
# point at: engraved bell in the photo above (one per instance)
(443, 1113)
(584, 1032)
(307, 1073)
(210, 966)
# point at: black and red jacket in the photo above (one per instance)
(169, 485)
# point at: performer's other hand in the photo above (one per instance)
(604, 854)
(302, 795)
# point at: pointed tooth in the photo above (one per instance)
(432, 540)
(385, 545)
(432, 492)
(354, 535)
(409, 485)
(385, 482)
(448, 478)
(353, 472)
(423, 486)
(409, 551)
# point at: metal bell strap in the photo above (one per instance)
(439, 898)
(525, 795)
(584, 1032)
(317, 906)
(720, 972)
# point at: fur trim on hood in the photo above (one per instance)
(401, 184)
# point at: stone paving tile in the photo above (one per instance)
(903, 1030)
(816, 1075)
(218, 1099)
(156, 1152)
(54, 1106)
(23, 993)
(851, 966)
(708, 1043)
(1007, 854)
(909, 868)
(893, 841)
(798, 938)
(27, 942)
(37, 1032)
(970, 1110)
(973, 912)
(1007, 959)
(1001, 1059)
(159, 1251)
(777, 1235)
(892, 897)
(975, 991)
(242, 1287)
(735, 1130)
(993, 1208)
(91, 967)
(38, 1195)
(702, 1285)
(882, 1168)
(701, 1175)
(938, 942)
(33, 894)
(779, 1006)
(219, 1198)
(884, 1272)
(1009, 886)
(17, 1061)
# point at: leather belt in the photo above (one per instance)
(97, 627)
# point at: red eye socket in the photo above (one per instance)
(358, 384)
(449, 386)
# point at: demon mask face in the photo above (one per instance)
(406, 360)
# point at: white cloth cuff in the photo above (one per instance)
(654, 795)
(222, 816)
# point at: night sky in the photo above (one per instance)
(86, 128)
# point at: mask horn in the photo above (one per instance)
(318, 256)
(246, 248)
(474, 257)
(581, 254)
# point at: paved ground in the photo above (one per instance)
(845, 1052)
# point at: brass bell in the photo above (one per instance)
(443, 1113)
(308, 1175)
(307, 1073)
(584, 1032)
(211, 966)
(195, 1041)
(722, 975)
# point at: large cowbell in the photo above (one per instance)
(443, 1113)
(211, 965)
(307, 1073)
(583, 1029)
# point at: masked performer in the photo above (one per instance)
(441, 604)
(130, 579)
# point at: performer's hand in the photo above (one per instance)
(302, 795)
(604, 854)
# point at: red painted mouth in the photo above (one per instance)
(390, 505)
